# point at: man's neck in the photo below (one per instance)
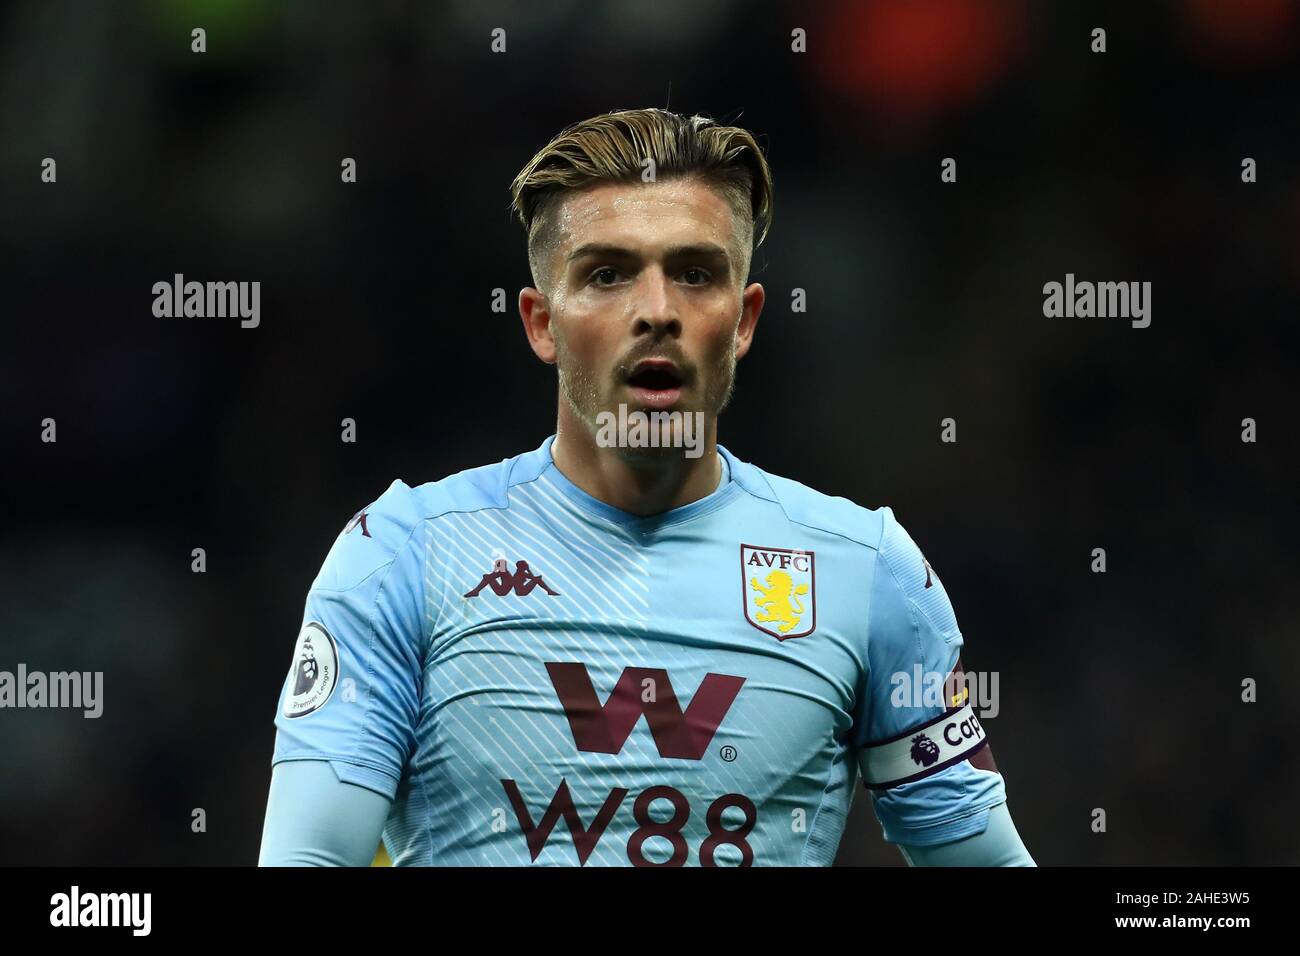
(638, 487)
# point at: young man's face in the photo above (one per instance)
(647, 305)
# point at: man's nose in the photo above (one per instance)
(656, 309)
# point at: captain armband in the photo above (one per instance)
(923, 750)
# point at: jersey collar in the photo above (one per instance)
(727, 489)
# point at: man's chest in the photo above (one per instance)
(722, 686)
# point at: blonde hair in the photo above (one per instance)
(612, 148)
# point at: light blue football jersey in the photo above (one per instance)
(535, 677)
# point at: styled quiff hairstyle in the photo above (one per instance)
(613, 148)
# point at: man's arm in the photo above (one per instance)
(350, 703)
(998, 845)
(315, 819)
(924, 756)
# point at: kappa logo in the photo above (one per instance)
(522, 581)
(358, 520)
(315, 671)
(778, 589)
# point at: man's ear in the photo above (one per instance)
(535, 311)
(751, 304)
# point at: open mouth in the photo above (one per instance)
(656, 382)
(655, 376)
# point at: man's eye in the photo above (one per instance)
(701, 274)
(604, 271)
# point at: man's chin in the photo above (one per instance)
(652, 458)
(646, 433)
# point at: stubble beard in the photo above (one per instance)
(581, 390)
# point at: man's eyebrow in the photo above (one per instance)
(703, 250)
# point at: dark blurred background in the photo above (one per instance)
(1119, 691)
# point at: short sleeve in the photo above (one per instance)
(352, 694)
(916, 732)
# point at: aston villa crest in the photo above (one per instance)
(779, 590)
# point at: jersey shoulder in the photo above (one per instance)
(474, 489)
(815, 509)
(380, 533)
(370, 540)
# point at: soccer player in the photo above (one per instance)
(693, 660)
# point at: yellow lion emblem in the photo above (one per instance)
(779, 600)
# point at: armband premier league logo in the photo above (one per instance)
(315, 671)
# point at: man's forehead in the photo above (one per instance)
(624, 208)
